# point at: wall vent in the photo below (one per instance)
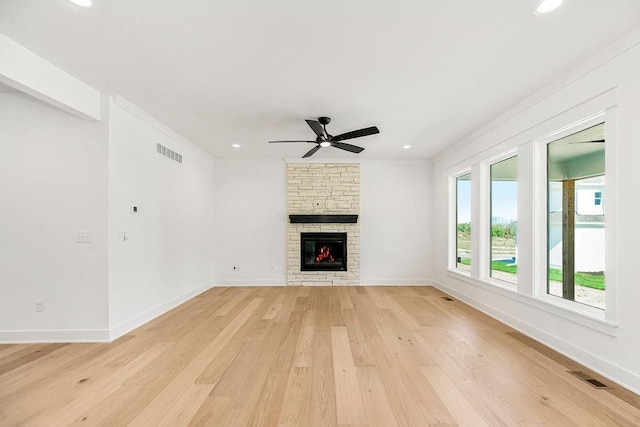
(169, 153)
(586, 378)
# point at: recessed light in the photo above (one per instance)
(406, 147)
(83, 3)
(235, 145)
(546, 6)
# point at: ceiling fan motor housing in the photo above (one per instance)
(324, 120)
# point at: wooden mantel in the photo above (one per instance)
(335, 219)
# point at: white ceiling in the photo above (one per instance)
(427, 73)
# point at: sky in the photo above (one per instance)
(504, 201)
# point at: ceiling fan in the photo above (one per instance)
(595, 141)
(324, 139)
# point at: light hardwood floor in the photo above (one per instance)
(382, 356)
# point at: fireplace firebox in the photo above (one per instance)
(323, 251)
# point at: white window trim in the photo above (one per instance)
(532, 210)
(540, 218)
(453, 222)
(485, 219)
(568, 313)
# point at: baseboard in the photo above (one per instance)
(54, 336)
(615, 373)
(247, 283)
(142, 318)
(398, 282)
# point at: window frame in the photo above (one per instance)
(453, 218)
(541, 254)
(532, 206)
(485, 246)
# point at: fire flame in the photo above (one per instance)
(325, 254)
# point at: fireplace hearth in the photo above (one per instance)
(323, 251)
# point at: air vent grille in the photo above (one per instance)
(587, 378)
(169, 153)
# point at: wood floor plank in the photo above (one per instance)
(94, 391)
(154, 413)
(267, 409)
(26, 356)
(63, 383)
(6, 350)
(345, 299)
(296, 403)
(213, 411)
(28, 374)
(463, 411)
(375, 398)
(335, 356)
(288, 306)
(323, 401)
(186, 407)
(349, 400)
(114, 409)
(275, 307)
(225, 309)
(304, 346)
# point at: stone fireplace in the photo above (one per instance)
(323, 235)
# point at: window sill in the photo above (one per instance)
(592, 318)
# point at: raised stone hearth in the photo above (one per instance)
(323, 198)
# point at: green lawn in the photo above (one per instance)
(588, 280)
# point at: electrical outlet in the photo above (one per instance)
(83, 237)
(39, 305)
(236, 268)
(122, 236)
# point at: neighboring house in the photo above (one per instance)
(589, 234)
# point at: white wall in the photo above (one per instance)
(395, 220)
(167, 257)
(608, 80)
(53, 183)
(250, 222)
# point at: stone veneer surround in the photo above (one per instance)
(317, 189)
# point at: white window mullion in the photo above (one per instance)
(528, 196)
(478, 227)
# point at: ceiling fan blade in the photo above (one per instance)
(311, 152)
(595, 141)
(356, 133)
(277, 142)
(317, 128)
(348, 147)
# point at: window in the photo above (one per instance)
(504, 220)
(463, 222)
(597, 198)
(575, 217)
